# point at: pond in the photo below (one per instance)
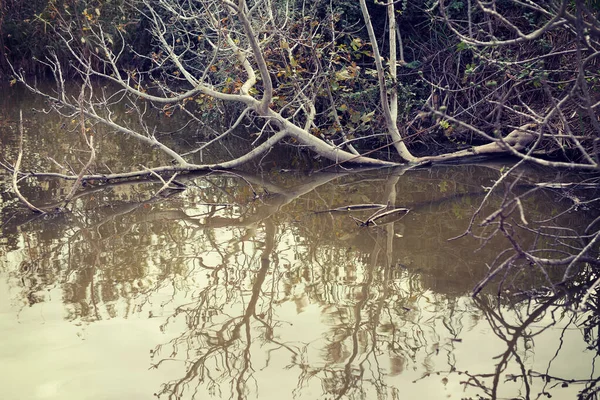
(269, 285)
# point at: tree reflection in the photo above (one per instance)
(222, 263)
(519, 328)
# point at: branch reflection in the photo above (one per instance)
(255, 289)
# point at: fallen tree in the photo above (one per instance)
(289, 74)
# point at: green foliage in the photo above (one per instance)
(28, 29)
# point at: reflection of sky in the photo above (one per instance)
(45, 357)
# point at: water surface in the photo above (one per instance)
(249, 286)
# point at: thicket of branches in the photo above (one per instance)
(422, 78)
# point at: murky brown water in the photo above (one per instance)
(241, 287)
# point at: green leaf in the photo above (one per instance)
(356, 44)
(462, 46)
(367, 117)
(343, 75)
(444, 124)
(413, 64)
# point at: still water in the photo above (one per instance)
(251, 286)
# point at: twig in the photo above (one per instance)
(378, 215)
(56, 163)
(588, 293)
(165, 183)
(16, 170)
(492, 274)
(487, 195)
(90, 143)
(580, 255)
(354, 207)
